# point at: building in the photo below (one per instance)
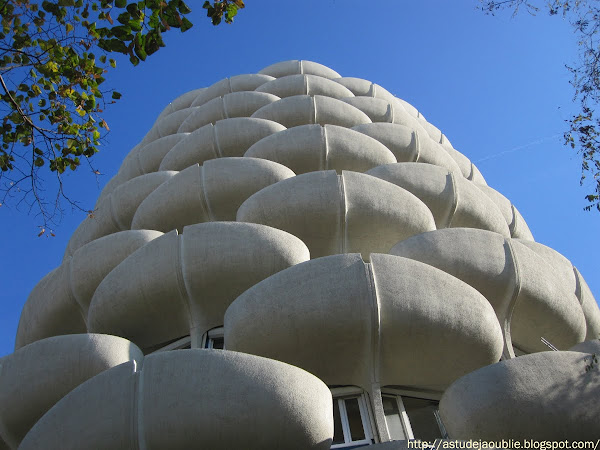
(362, 277)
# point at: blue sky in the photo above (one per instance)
(496, 86)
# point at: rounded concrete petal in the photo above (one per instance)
(228, 137)
(285, 68)
(339, 214)
(327, 324)
(116, 212)
(475, 210)
(433, 131)
(185, 100)
(151, 155)
(143, 298)
(545, 307)
(236, 104)
(169, 124)
(308, 148)
(430, 152)
(176, 283)
(434, 327)
(35, 377)
(521, 230)
(409, 108)
(453, 201)
(587, 347)
(463, 162)
(299, 84)
(246, 82)
(211, 192)
(92, 262)
(401, 140)
(377, 109)
(253, 403)
(509, 275)
(402, 117)
(322, 325)
(99, 413)
(476, 176)
(50, 309)
(590, 309)
(431, 184)
(379, 214)
(545, 396)
(305, 109)
(358, 86)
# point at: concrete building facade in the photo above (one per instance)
(299, 260)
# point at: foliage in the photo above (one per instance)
(583, 133)
(53, 63)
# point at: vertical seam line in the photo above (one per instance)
(325, 154)
(513, 300)
(343, 218)
(452, 211)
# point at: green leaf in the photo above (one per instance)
(185, 24)
(116, 95)
(135, 61)
(120, 3)
(38, 162)
(113, 63)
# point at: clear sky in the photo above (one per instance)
(496, 86)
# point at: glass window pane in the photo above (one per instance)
(218, 343)
(357, 431)
(422, 418)
(392, 417)
(338, 433)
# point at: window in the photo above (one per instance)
(177, 344)
(351, 418)
(412, 416)
(215, 338)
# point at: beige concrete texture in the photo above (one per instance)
(58, 304)
(208, 193)
(408, 145)
(35, 377)
(592, 347)
(377, 109)
(301, 84)
(546, 396)
(309, 148)
(306, 109)
(532, 299)
(246, 82)
(516, 224)
(228, 137)
(236, 104)
(394, 321)
(346, 213)
(292, 67)
(181, 284)
(116, 212)
(453, 200)
(166, 404)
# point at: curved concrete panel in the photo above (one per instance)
(59, 302)
(116, 212)
(146, 159)
(181, 102)
(592, 347)
(453, 201)
(291, 85)
(408, 145)
(345, 319)
(246, 82)
(517, 226)
(228, 137)
(207, 193)
(126, 407)
(33, 378)
(346, 213)
(499, 401)
(306, 109)
(181, 284)
(169, 124)
(285, 68)
(377, 109)
(236, 104)
(529, 299)
(308, 148)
